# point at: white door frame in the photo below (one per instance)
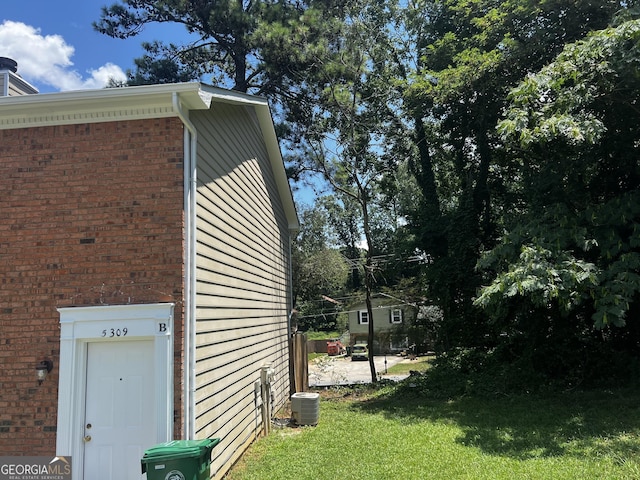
(82, 325)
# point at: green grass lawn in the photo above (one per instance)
(322, 335)
(420, 364)
(394, 435)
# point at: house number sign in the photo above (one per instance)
(161, 328)
(115, 332)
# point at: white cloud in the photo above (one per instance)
(47, 59)
(100, 77)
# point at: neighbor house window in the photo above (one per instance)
(363, 317)
(396, 315)
(399, 343)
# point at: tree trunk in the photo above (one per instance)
(368, 283)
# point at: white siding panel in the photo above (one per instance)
(242, 289)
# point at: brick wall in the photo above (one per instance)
(89, 214)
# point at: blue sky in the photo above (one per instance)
(57, 48)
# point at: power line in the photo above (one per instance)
(358, 263)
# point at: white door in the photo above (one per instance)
(120, 416)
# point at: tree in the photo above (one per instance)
(344, 217)
(575, 132)
(344, 125)
(240, 44)
(567, 272)
(319, 269)
(153, 70)
(467, 55)
(321, 276)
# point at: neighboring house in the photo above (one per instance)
(144, 251)
(389, 324)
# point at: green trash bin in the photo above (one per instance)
(179, 460)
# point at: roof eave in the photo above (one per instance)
(91, 106)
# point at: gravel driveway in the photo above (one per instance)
(340, 370)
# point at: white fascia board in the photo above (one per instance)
(91, 106)
(233, 96)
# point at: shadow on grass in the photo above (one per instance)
(528, 426)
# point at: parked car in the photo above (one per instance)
(335, 347)
(359, 352)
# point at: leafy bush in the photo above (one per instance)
(495, 372)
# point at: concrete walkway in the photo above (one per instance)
(340, 370)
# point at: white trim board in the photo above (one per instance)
(82, 325)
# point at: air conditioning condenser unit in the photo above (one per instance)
(305, 408)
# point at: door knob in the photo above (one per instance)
(87, 438)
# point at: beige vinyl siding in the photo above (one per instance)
(242, 273)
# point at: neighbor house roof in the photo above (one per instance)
(148, 101)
